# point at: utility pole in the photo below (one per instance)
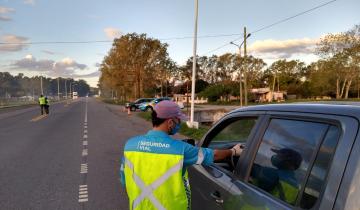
(245, 68)
(194, 65)
(240, 76)
(41, 86)
(58, 80)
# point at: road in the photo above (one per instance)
(67, 160)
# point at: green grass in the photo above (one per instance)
(112, 101)
(145, 115)
(192, 133)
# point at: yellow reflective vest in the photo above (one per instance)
(150, 189)
(42, 100)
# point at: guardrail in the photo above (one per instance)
(9, 102)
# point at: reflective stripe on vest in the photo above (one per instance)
(147, 186)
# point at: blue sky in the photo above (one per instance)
(80, 20)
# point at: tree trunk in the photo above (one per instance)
(348, 85)
(337, 89)
(273, 89)
(342, 88)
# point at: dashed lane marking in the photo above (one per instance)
(85, 131)
(85, 126)
(85, 136)
(85, 143)
(84, 152)
(83, 193)
(84, 168)
(37, 118)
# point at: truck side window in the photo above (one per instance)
(234, 131)
(284, 156)
(317, 178)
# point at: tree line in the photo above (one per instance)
(138, 66)
(20, 85)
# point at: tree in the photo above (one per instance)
(342, 52)
(137, 65)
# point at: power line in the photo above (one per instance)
(294, 16)
(273, 24)
(110, 41)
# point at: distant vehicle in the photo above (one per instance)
(147, 106)
(135, 105)
(303, 156)
(75, 95)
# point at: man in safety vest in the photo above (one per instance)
(42, 103)
(154, 165)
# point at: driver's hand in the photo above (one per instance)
(236, 150)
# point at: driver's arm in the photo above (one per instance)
(224, 153)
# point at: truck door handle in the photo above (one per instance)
(217, 197)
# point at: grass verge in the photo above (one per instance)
(192, 133)
(112, 101)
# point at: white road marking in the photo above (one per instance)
(83, 194)
(84, 168)
(84, 152)
(83, 190)
(83, 200)
(86, 111)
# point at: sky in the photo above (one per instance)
(24, 21)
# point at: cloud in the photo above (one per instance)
(32, 2)
(30, 63)
(12, 43)
(67, 67)
(3, 13)
(6, 10)
(91, 75)
(283, 48)
(112, 33)
(4, 18)
(49, 52)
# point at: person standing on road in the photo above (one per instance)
(42, 104)
(154, 166)
(47, 105)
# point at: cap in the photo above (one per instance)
(169, 109)
(286, 158)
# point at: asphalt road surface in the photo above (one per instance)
(69, 159)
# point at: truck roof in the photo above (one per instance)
(351, 110)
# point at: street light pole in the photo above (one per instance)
(245, 69)
(194, 65)
(240, 93)
(41, 85)
(245, 84)
(58, 81)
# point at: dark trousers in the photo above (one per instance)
(42, 108)
(46, 109)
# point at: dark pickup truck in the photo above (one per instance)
(296, 157)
